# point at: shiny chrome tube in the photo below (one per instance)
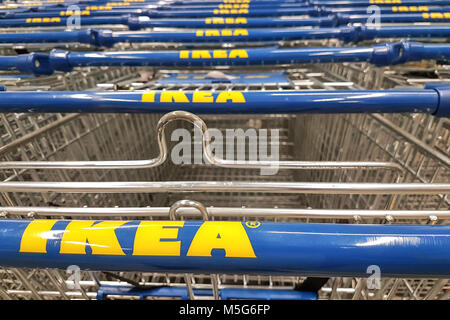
(226, 186)
(234, 212)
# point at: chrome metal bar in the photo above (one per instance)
(225, 186)
(224, 212)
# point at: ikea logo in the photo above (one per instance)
(220, 20)
(193, 97)
(236, 1)
(70, 13)
(221, 33)
(385, 1)
(409, 8)
(230, 11)
(436, 15)
(43, 20)
(214, 54)
(233, 6)
(150, 238)
(98, 8)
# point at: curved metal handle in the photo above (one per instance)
(208, 156)
(188, 204)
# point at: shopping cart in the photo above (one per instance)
(378, 149)
(386, 138)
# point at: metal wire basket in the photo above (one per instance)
(416, 145)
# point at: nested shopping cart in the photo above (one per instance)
(337, 153)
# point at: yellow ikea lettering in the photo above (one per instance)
(201, 54)
(233, 6)
(223, 32)
(221, 20)
(34, 238)
(70, 13)
(216, 54)
(98, 8)
(238, 53)
(214, 21)
(409, 8)
(232, 11)
(202, 96)
(173, 96)
(197, 97)
(385, 1)
(229, 236)
(436, 15)
(220, 54)
(236, 1)
(234, 96)
(210, 33)
(148, 97)
(239, 20)
(149, 234)
(101, 238)
(44, 20)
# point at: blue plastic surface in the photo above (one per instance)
(236, 102)
(239, 34)
(380, 55)
(224, 294)
(229, 247)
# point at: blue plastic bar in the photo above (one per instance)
(141, 22)
(434, 17)
(246, 248)
(62, 13)
(217, 2)
(108, 38)
(349, 34)
(35, 63)
(210, 35)
(224, 293)
(250, 5)
(206, 20)
(433, 101)
(399, 9)
(168, 14)
(61, 21)
(232, 13)
(82, 36)
(356, 3)
(381, 54)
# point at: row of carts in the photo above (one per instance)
(95, 205)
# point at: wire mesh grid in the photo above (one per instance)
(418, 143)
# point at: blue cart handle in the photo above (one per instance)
(224, 293)
(354, 3)
(379, 55)
(137, 20)
(107, 38)
(433, 100)
(307, 249)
